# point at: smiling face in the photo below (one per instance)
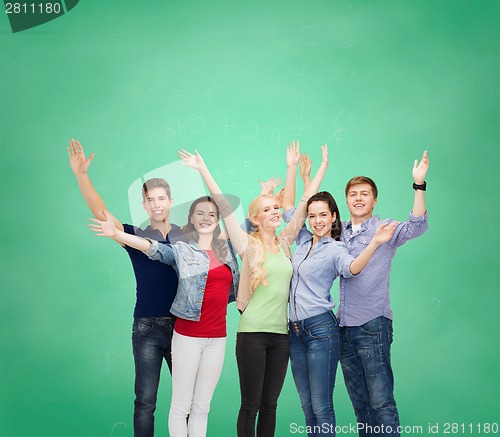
(320, 219)
(204, 217)
(265, 213)
(157, 204)
(360, 201)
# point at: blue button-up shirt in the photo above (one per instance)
(313, 275)
(365, 296)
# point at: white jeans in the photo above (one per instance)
(196, 368)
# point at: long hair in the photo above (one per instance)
(189, 232)
(325, 196)
(255, 250)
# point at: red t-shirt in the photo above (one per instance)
(212, 323)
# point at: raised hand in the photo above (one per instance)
(279, 197)
(384, 232)
(270, 185)
(420, 169)
(324, 153)
(104, 228)
(382, 235)
(79, 164)
(305, 165)
(292, 154)
(194, 161)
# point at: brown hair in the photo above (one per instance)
(358, 180)
(325, 196)
(155, 183)
(190, 232)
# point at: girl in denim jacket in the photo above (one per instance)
(208, 278)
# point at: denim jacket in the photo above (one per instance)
(191, 264)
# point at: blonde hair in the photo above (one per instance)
(255, 250)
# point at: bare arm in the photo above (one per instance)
(292, 159)
(162, 252)
(305, 165)
(382, 235)
(107, 228)
(293, 228)
(79, 165)
(269, 186)
(419, 173)
(239, 238)
(320, 174)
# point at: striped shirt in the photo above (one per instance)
(365, 296)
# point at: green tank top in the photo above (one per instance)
(267, 310)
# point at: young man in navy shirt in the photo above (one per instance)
(156, 286)
(364, 314)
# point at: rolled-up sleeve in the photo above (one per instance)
(342, 261)
(161, 252)
(413, 228)
(288, 214)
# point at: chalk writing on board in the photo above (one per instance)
(110, 360)
(226, 128)
(208, 94)
(275, 137)
(342, 121)
(302, 73)
(348, 76)
(436, 303)
(113, 273)
(117, 425)
(118, 167)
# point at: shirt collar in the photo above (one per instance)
(323, 240)
(366, 224)
(174, 231)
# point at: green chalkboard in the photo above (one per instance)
(134, 81)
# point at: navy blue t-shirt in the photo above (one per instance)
(156, 281)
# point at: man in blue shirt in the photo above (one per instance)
(364, 312)
(156, 286)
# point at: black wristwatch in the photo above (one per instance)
(421, 187)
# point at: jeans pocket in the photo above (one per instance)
(372, 328)
(322, 330)
(142, 326)
(371, 359)
(389, 333)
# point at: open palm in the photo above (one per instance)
(420, 169)
(193, 161)
(293, 154)
(103, 228)
(77, 160)
(384, 232)
(305, 166)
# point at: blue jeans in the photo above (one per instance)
(366, 363)
(151, 344)
(314, 356)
